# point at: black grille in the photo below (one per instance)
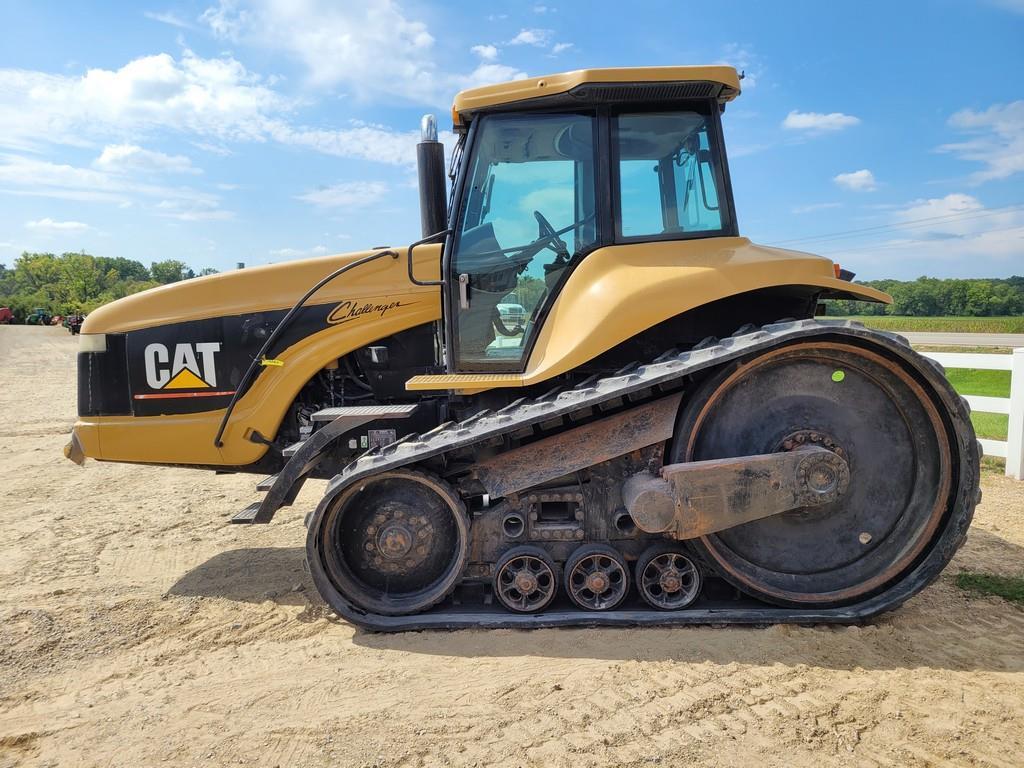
(625, 92)
(103, 380)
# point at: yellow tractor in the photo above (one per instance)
(581, 398)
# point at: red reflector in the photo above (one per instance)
(837, 269)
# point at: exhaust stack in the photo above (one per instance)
(430, 165)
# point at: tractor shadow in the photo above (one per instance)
(251, 575)
(941, 628)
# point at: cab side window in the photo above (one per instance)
(667, 175)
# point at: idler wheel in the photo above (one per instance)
(395, 543)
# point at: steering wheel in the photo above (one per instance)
(550, 237)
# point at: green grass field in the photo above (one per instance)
(1014, 324)
(1007, 587)
(967, 381)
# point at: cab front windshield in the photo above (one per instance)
(529, 211)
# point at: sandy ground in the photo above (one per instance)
(138, 628)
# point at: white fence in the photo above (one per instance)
(1013, 448)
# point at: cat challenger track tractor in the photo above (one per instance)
(581, 398)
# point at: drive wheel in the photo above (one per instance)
(395, 543)
(596, 577)
(667, 578)
(525, 580)
(864, 403)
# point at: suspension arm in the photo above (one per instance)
(700, 497)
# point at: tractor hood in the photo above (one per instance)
(266, 289)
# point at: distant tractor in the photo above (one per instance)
(6, 316)
(38, 316)
(74, 323)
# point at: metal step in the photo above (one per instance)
(266, 483)
(364, 411)
(292, 449)
(247, 515)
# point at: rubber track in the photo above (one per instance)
(666, 370)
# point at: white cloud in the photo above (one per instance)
(811, 208)
(998, 142)
(744, 60)
(226, 19)
(169, 18)
(542, 9)
(858, 181)
(1014, 6)
(347, 194)
(39, 178)
(816, 122)
(558, 48)
(50, 226)
(536, 37)
(211, 97)
(370, 46)
(294, 253)
(361, 141)
(196, 209)
(122, 158)
(213, 149)
(485, 52)
(487, 74)
(373, 49)
(6, 245)
(952, 207)
(958, 230)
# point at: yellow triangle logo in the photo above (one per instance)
(186, 380)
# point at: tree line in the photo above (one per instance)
(77, 283)
(934, 297)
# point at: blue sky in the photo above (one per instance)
(887, 135)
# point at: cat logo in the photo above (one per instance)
(192, 367)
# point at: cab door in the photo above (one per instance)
(527, 214)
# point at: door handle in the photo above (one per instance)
(464, 291)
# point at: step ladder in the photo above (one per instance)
(305, 455)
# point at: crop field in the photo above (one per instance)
(1009, 324)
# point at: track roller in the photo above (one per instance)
(525, 580)
(596, 577)
(667, 578)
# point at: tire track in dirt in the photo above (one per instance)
(137, 627)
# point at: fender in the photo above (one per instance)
(619, 291)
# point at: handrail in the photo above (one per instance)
(408, 252)
(285, 321)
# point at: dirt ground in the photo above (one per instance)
(137, 628)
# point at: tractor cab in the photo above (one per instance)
(555, 168)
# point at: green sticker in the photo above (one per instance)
(838, 376)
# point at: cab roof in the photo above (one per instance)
(607, 85)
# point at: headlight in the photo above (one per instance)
(92, 342)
